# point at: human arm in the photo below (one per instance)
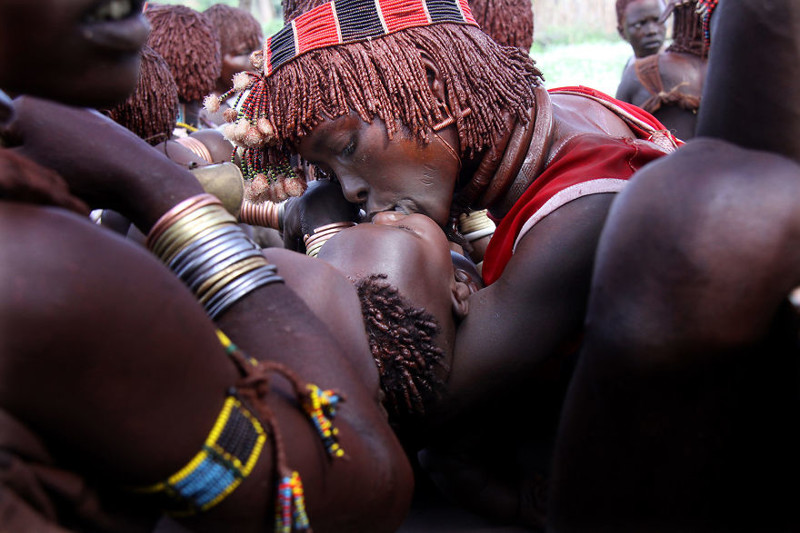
(534, 312)
(321, 204)
(684, 376)
(96, 295)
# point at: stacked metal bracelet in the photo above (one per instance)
(475, 225)
(320, 236)
(265, 213)
(205, 247)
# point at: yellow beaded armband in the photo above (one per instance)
(228, 456)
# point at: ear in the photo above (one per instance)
(460, 291)
(621, 32)
(434, 77)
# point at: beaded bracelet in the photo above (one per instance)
(320, 236)
(205, 247)
(475, 225)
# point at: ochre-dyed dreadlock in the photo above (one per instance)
(401, 337)
(234, 26)
(151, 110)
(509, 22)
(293, 8)
(187, 40)
(688, 30)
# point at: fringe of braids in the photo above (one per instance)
(509, 22)
(401, 339)
(188, 42)
(688, 37)
(151, 110)
(386, 78)
(233, 26)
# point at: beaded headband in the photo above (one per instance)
(348, 21)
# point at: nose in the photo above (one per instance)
(651, 28)
(354, 189)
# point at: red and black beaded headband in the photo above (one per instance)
(347, 21)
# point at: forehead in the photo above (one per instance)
(643, 8)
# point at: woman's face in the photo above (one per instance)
(81, 52)
(235, 61)
(382, 175)
(641, 27)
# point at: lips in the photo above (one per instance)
(116, 26)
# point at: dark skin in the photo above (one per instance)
(688, 374)
(81, 295)
(684, 72)
(520, 328)
(641, 27)
(681, 72)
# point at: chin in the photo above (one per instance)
(104, 88)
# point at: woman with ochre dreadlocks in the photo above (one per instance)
(669, 84)
(189, 43)
(410, 107)
(239, 36)
(681, 415)
(151, 111)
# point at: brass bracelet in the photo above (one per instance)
(196, 147)
(173, 214)
(268, 214)
(320, 236)
(205, 247)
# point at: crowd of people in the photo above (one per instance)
(434, 294)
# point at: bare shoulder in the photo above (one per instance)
(717, 220)
(711, 176)
(61, 270)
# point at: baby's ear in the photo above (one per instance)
(460, 291)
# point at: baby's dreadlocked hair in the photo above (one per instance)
(234, 25)
(188, 42)
(152, 109)
(401, 339)
(509, 22)
(688, 30)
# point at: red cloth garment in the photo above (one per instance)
(586, 164)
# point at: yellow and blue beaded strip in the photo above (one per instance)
(228, 456)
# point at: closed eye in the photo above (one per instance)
(350, 148)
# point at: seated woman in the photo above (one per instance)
(239, 36)
(188, 41)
